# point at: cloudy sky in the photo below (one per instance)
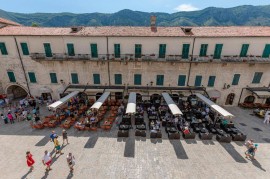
(109, 6)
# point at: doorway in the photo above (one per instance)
(230, 98)
(249, 99)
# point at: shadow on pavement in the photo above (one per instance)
(258, 165)
(234, 154)
(25, 176)
(91, 141)
(179, 149)
(130, 147)
(43, 141)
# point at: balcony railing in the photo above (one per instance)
(149, 57)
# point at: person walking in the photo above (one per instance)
(29, 160)
(10, 117)
(64, 134)
(4, 118)
(47, 160)
(52, 136)
(250, 153)
(57, 146)
(71, 161)
(267, 117)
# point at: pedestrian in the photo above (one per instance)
(57, 146)
(4, 118)
(30, 161)
(71, 161)
(249, 143)
(10, 117)
(64, 134)
(47, 160)
(250, 153)
(52, 136)
(266, 117)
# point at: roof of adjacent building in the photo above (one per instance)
(232, 31)
(8, 22)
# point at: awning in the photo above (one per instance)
(214, 106)
(173, 107)
(63, 100)
(61, 89)
(262, 94)
(45, 89)
(100, 100)
(131, 106)
(214, 93)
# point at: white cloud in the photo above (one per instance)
(186, 7)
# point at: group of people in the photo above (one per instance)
(47, 158)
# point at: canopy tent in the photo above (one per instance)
(100, 101)
(214, 106)
(131, 106)
(63, 100)
(262, 94)
(173, 107)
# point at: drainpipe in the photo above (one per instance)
(22, 65)
(240, 96)
(189, 70)
(109, 76)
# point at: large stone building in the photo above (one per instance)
(229, 63)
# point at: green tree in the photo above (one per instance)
(34, 24)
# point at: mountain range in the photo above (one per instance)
(237, 16)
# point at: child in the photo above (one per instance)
(64, 134)
(29, 160)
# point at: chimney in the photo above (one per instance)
(153, 23)
(75, 29)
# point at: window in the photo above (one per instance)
(96, 79)
(218, 50)
(138, 50)
(203, 51)
(74, 78)
(162, 50)
(25, 50)
(182, 80)
(11, 76)
(32, 77)
(160, 80)
(137, 79)
(198, 80)
(53, 78)
(236, 78)
(117, 50)
(244, 50)
(257, 77)
(71, 51)
(211, 81)
(48, 50)
(185, 51)
(3, 48)
(266, 51)
(94, 51)
(118, 79)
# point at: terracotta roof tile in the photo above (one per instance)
(9, 22)
(232, 31)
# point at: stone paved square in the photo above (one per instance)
(102, 155)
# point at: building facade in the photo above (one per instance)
(223, 60)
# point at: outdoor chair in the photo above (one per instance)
(123, 133)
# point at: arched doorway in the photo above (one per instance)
(98, 95)
(230, 98)
(249, 99)
(16, 92)
(138, 97)
(155, 97)
(267, 101)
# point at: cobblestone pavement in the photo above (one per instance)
(102, 155)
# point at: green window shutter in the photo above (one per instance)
(48, 50)
(32, 77)
(244, 50)
(96, 79)
(198, 80)
(182, 80)
(118, 79)
(138, 50)
(137, 79)
(117, 50)
(266, 51)
(53, 77)
(94, 51)
(25, 50)
(160, 80)
(203, 51)
(11, 76)
(218, 50)
(236, 78)
(211, 81)
(162, 50)
(257, 77)
(74, 78)
(185, 51)
(3, 48)
(71, 51)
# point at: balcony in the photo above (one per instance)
(62, 56)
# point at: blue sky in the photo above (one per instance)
(110, 6)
